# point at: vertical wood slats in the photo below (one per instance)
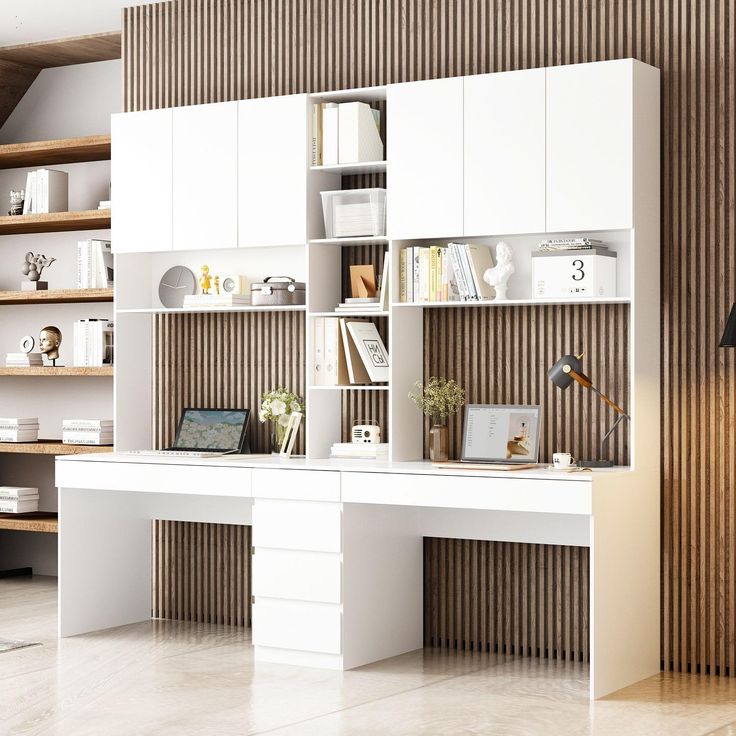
(524, 599)
(256, 49)
(201, 572)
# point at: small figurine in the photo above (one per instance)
(33, 267)
(16, 201)
(217, 285)
(49, 343)
(498, 276)
(205, 280)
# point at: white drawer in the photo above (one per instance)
(304, 485)
(309, 627)
(306, 525)
(303, 576)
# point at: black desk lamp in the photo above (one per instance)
(568, 369)
(729, 333)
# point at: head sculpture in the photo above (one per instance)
(50, 341)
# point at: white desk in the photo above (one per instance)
(337, 566)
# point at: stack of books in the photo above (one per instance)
(362, 305)
(15, 429)
(87, 431)
(345, 133)
(47, 190)
(356, 219)
(360, 450)
(94, 342)
(23, 360)
(440, 273)
(18, 500)
(215, 301)
(95, 269)
(562, 244)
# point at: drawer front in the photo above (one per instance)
(302, 576)
(313, 526)
(494, 493)
(304, 485)
(308, 627)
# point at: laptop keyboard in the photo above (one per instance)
(171, 453)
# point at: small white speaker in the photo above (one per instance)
(232, 283)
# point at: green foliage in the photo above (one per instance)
(439, 398)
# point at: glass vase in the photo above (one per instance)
(439, 442)
(277, 437)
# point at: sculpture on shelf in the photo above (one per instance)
(33, 267)
(17, 197)
(205, 280)
(498, 276)
(217, 285)
(49, 343)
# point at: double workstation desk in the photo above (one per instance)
(337, 547)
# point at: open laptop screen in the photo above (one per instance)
(211, 429)
(501, 433)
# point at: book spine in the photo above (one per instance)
(402, 275)
(316, 125)
(468, 271)
(433, 271)
(11, 508)
(332, 350)
(459, 275)
(319, 351)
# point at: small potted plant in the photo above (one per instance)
(439, 398)
(277, 406)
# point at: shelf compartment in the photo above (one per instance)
(518, 302)
(55, 222)
(37, 521)
(50, 371)
(355, 387)
(56, 296)
(60, 151)
(364, 240)
(51, 447)
(349, 314)
(207, 310)
(358, 94)
(361, 167)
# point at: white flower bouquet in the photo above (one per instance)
(277, 406)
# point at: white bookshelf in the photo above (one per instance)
(367, 167)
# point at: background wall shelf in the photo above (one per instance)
(372, 240)
(50, 371)
(61, 151)
(55, 222)
(519, 302)
(56, 296)
(207, 310)
(50, 447)
(364, 167)
(40, 521)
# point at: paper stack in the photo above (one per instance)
(23, 360)
(95, 267)
(14, 429)
(18, 500)
(87, 431)
(93, 342)
(47, 190)
(362, 305)
(360, 450)
(216, 301)
(359, 219)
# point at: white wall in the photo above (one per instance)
(62, 102)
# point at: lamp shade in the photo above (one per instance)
(561, 377)
(729, 333)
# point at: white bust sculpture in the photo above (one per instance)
(498, 276)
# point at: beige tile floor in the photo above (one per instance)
(163, 677)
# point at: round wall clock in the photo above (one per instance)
(175, 284)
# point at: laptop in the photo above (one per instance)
(502, 435)
(206, 433)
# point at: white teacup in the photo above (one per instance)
(562, 460)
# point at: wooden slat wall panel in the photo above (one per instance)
(225, 360)
(524, 599)
(172, 58)
(201, 572)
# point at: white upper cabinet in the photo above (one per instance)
(589, 146)
(141, 176)
(504, 153)
(205, 176)
(272, 171)
(425, 159)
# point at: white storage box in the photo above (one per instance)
(353, 213)
(574, 274)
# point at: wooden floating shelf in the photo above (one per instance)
(207, 310)
(51, 447)
(50, 371)
(55, 222)
(38, 521)
(56, 296)
(363, 167)
(62, 151)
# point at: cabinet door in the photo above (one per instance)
(272, 171)
(205, 176)
(589, 146)
(141, 181)
(425, 159)
(504, 153)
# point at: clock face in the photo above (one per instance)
(175, 284)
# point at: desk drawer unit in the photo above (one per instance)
(296, 485)
(296, 575)
(306, 627)
(312, 526)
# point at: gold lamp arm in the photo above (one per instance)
(584, 381)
